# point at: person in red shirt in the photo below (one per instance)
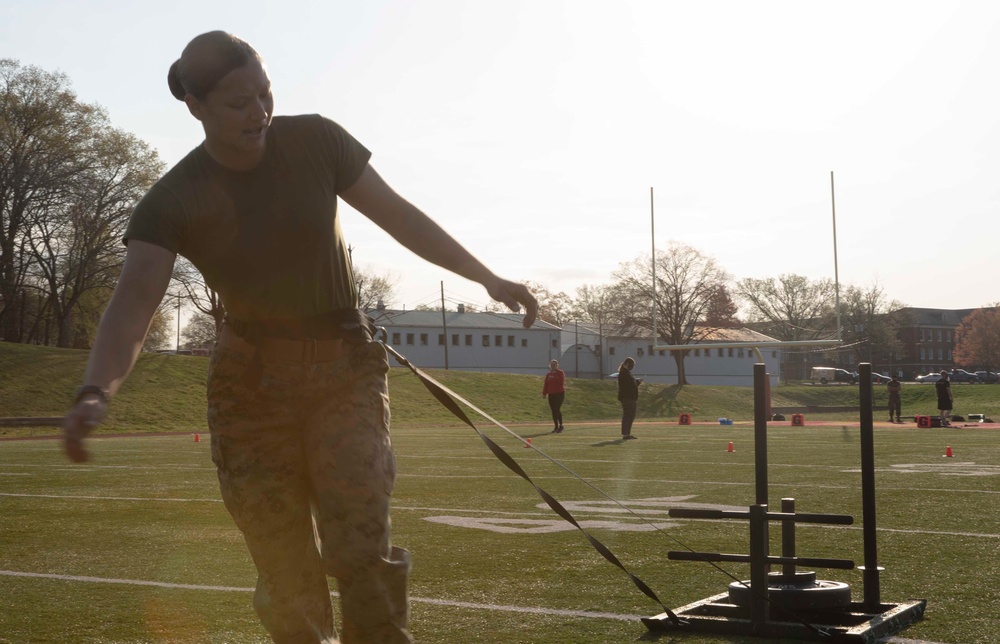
(555, 389)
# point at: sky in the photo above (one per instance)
(534, 130)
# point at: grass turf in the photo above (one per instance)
(147, 510)
(492, 563)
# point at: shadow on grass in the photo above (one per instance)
(663, 402)
(617, 441)
(679, 638)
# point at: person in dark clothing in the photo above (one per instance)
(945, 401)
(895, 402)
(554, 389)
(298, 399)
(628, 395)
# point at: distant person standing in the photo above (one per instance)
(945, 401)
(628, 395)
(895, 402)
(555, 389)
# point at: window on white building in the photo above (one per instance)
(409, 338)
(486, 340)
(395, 338)
(468, 339)
(423, 339)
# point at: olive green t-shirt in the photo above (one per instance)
(267, 240)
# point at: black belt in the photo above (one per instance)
(344, 324)
(322, 338)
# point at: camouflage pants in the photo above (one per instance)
(306, 470)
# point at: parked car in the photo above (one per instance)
(831, 374)
(961, 375)
(877, 378)
(987, 376)
(931, 377)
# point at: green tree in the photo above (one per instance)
(76, 241)
(200, 332)
(161, 331)
(68, 182)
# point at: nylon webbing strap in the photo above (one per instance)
(448, 398)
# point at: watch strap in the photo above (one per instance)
(84, 390)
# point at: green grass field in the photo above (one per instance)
(137, 547)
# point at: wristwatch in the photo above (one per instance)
(83, 390)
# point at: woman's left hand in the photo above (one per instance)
(515, 295)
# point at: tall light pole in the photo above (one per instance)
(178, 347)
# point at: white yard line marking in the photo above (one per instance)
(420, 600)
(648, 514)
(109, 498)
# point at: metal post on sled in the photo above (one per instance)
(792, 603)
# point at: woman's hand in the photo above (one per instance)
(514, 296)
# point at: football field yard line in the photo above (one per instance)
(420, 600)
(646, 514)
(532, 610)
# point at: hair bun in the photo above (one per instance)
(174, 82)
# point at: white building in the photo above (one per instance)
(589, 351)
(497, 342)
(468, 341)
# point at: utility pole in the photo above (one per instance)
(444, 325)
(576, 347)
(178, 347)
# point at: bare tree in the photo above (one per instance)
(870, 326)
(596, 305)
(189, 284)
(686, 280)
(791, 307)
(977, 339)
(374, 287)
(554, 308)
